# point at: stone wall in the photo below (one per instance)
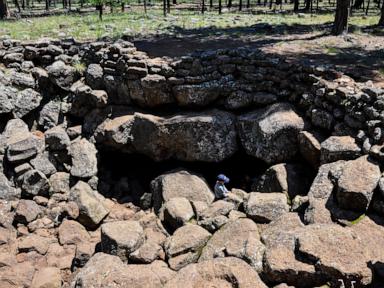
(63, 104)
(232, 80)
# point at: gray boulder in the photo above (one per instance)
(239, 238)
(309, 145)
(103, 269)
(184, 246)
(339, 148)
(291, 179)
(179, 184)
(59, 183)
(240, 99)
(208, 137)
(49, 115)
(91, 207)
(24, 150)
(177, 212)
(13, 58)
(356, 184)
(189, 238)
(281, 263)
(265, 207)
(7, 191)
(42, 163)
(15, 131)
(94, 76)
(62, 75)
(26, 101)
(146, 253)
(220, 272)
(121, 238)
(205, 136)
(57, 139)
(8, 96)
(87, 99)
(201, 94)
(84, 159)
(270, 133)
(321, 243)
(153, 91)
(34, 183)
(27, 211)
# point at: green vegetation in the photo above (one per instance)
(80, 67)
(136, 24)
(357, 220)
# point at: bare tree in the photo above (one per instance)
(340, 25)
(381, 21)
(17, 5)
(296, 5)
(4, 10)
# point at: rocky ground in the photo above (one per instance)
(313, 218)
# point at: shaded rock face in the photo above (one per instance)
(270, 134)
(209, 136)
(158, 224)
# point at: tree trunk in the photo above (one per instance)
(165, 8)
(248, 4)
(358, 4)
(296, 6)
(340, 25)
(381, 21)
(174, 2)
(168, 6)
(219, 6)
(202, 7)
(229, 4)
(100, 8)
(47, 5)
(240, 5)
(17, 6)
(211, 4)
(4, 11)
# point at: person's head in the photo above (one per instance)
(222, 178)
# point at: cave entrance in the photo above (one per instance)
(127, 176)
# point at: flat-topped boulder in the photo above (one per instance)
(205, 136)
(339, 148)
(265, 207)
(121, 238)
(356, 184)
(220, 272)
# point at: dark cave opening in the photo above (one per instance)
(140, 170)
(126, 177)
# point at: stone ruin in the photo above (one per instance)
(108, 158)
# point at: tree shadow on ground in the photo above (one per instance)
(259, 35)
(358, 62)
